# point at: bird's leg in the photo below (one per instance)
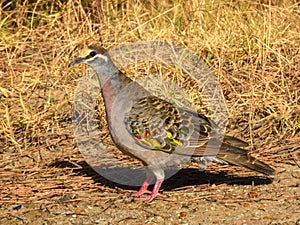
(144, 187)
(154, 192)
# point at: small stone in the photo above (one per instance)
(77, 211)
(182, 214)
(246, 204)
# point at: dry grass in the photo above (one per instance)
(253, 49)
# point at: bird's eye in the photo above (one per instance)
(92, 54)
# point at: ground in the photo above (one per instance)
(192, 197)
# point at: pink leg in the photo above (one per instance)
(154, 192)
(144, 187)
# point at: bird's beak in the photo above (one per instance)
(77, 60)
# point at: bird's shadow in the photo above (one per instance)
(131, 179)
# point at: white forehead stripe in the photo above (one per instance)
(97, 56)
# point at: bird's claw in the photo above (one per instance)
(140, 192)
(150, 197)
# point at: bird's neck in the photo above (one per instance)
(112, 81)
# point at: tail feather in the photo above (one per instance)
(233, 141)
(240, 157)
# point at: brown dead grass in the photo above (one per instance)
(253, 49)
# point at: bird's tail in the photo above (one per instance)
(240, 157)
(234, 141)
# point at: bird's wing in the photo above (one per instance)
(157, 124)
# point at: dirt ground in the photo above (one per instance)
(192, 197)
(251, 47)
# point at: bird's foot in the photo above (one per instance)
(143, 189)
(140, 192)
(150, 197)
(153, 194)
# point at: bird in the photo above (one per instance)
(156, 131)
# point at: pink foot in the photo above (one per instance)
(150, 197)
(140, 192)
(154, 192)
(144, 188)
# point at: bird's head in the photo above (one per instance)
(93, 56)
